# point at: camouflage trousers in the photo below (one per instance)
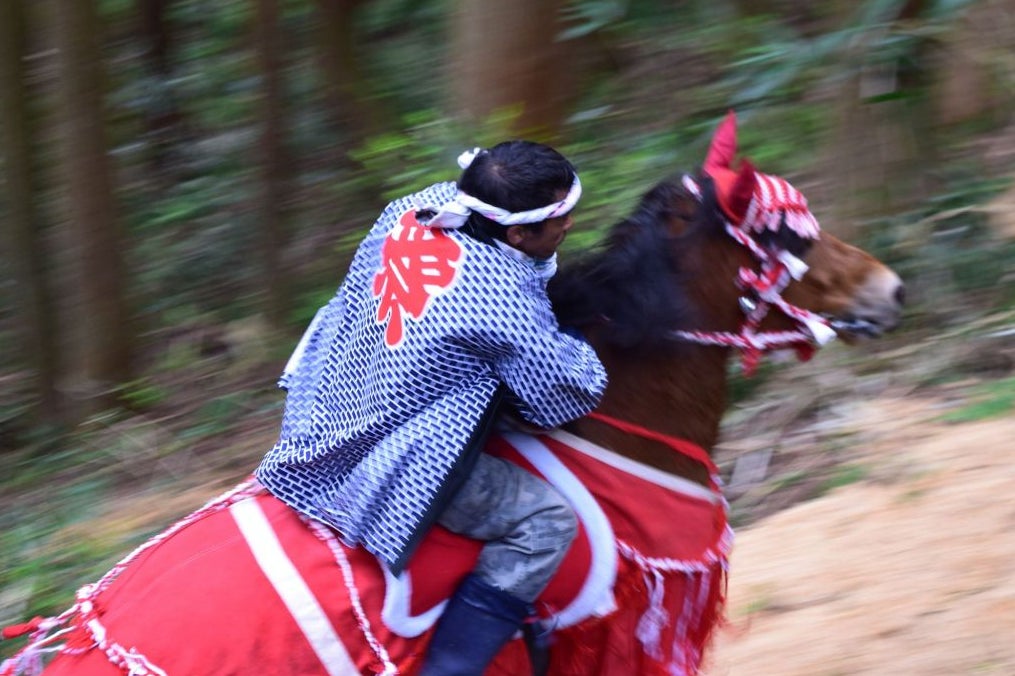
(527, 525)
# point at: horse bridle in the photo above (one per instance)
(763, 291)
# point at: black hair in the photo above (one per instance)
(516, 176)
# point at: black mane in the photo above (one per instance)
(631, 284)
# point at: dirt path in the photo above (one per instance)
(910, 572)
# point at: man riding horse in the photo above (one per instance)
(442, 317)
(441, 320)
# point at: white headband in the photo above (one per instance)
(455, 213)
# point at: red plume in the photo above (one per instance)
(724, 145)
(738, 199)
(733, 188)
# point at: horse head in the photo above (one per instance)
(727, 261)
(858, 296)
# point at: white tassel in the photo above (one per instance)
(654, 620)
(692, 186)
(821, 331)
(466, 158)
(451, 215)
(796, 267)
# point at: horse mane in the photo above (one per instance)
(631, 283)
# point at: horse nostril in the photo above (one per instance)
(900, 294)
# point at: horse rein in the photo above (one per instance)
(762, 291)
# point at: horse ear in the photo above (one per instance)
(724, 145)
(739, 198)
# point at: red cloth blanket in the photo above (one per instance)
(246, 585)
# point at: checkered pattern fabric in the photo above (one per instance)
(398, 369)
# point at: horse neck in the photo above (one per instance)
(681, 394)
(663, 266)
(680, 390)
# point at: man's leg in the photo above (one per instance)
(528, 528)
(527, 525)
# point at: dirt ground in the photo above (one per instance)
(910, 570)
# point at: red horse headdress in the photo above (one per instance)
(751, 200)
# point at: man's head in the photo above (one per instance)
(520, 176)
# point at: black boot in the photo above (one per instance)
(478, 620)
(537, 637)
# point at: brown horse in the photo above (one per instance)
(245, 585)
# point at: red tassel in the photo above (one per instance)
(16, 630)
(805, 351)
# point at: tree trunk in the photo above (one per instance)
(97, 326)
(23, 228)
(156, 33)
(347, 90)
(163, 119)
(506, 56)
(273, 163)
(883, 135)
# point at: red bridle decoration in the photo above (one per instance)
(778, 269)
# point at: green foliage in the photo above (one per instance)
(742, 387)
(991, 400)
(770, 63)
(221, 22)
(45, 555)
(401, 161)
(583, 17)
(195, 241)
(946, 248)
(613, 187)
(115, 9)
(388, 15)
(308, 305)
(142, 394)
(844, 475)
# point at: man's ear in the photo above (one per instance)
(515, 235)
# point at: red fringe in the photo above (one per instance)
(611, 643)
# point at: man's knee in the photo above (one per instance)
(554, 526)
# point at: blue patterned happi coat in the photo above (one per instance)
(399, 370)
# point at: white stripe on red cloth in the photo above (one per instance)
(292, 588)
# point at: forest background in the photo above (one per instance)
(183, 182)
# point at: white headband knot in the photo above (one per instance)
(455, 213)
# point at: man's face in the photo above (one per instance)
(541, 242)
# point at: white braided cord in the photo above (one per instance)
(327, 536)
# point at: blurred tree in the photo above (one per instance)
(349, 92)
(23, 230)
(884, 134)
(163, 117)
(807, 17)
(273, 163)
(507, 56)
(96, 321)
